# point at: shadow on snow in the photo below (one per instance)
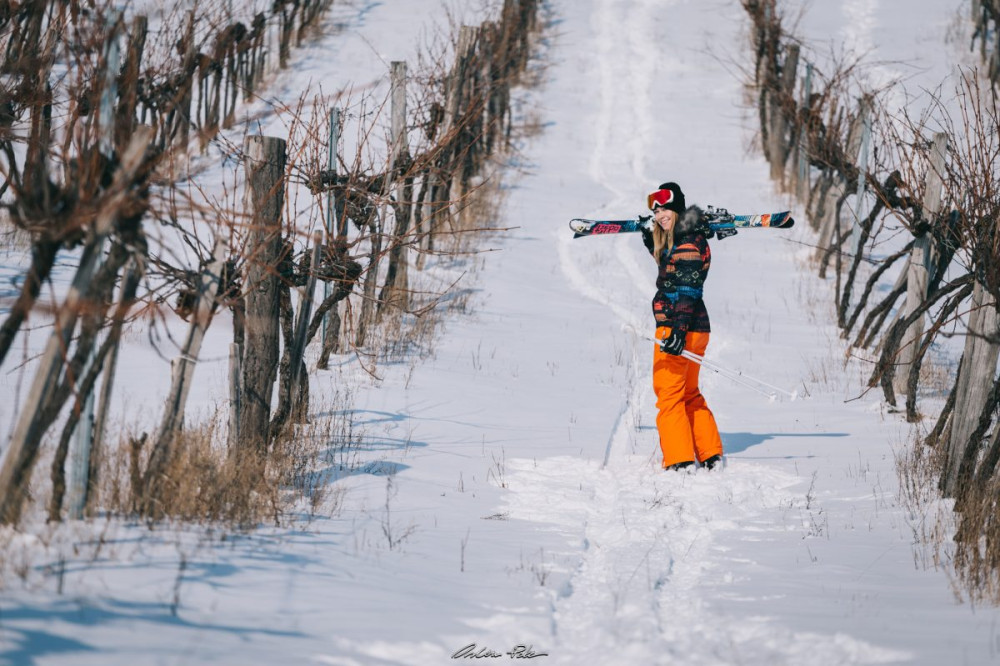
(737, 442)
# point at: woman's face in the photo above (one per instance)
(665, 218)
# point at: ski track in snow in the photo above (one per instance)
(649, 554)
(648, 536)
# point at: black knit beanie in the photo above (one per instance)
(677, 203)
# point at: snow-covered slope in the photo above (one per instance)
(509, 492)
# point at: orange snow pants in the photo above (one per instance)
(685, 423)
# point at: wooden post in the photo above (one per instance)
(981, 22)
(235, 373)
(830, 220)
(853, 246)
(128, 98)
(182, 115)
(265, 169)
(455, 114)
(802, 175)
(862, 164)
(395, 292)
(285, 36)
(918, 271)
(397, 99)
(779, 147)
(428, 207)
(23, 449)
(376, 228)
(231, 91)
(255, 67)
(332, 223)
(492, 50)
(272, 32)
(79, 462)
(815, 206)
(371, 279)
(975, 380)
(84, 436)
(182, 371)
(178, 366)
(128, 286)
(301, 326)
(109, 91)
(766, 71)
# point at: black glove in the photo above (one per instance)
(646, 228)
(724, 233)
(674, 343)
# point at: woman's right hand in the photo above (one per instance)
(674, 343)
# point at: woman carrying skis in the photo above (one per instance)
(678, 242)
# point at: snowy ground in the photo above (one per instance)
(508, 492)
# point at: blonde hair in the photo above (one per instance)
(662, 239)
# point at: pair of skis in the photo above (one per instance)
(720, 221)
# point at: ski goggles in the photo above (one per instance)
(659, 198)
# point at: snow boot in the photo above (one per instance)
(679, 467)
(713, 462)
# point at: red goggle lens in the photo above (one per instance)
(659, 198)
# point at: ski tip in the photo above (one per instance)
(578, 235)
(788, 224)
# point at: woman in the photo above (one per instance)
(678, 242)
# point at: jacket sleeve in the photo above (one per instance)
(691, 260)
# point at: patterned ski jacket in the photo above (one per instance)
(683, 268)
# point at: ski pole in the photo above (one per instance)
(733, 375)
(694, 358)
(740, 378)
